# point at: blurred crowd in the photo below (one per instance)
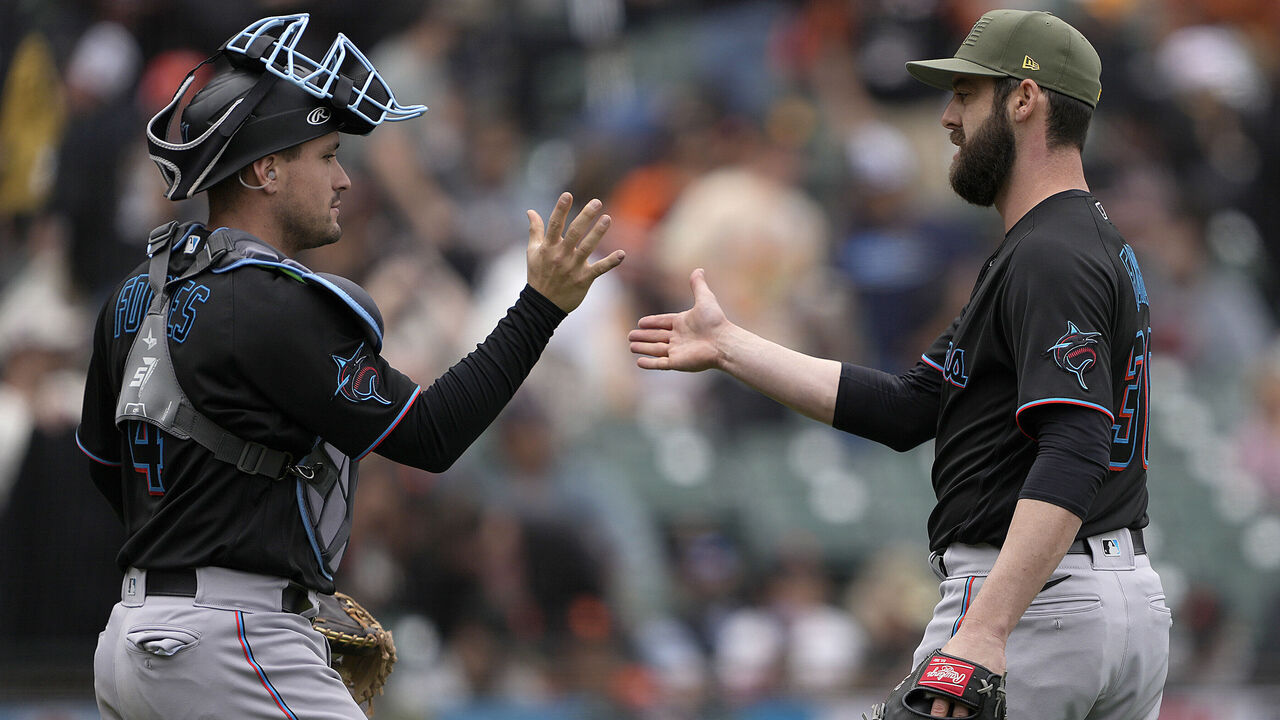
(779, 144)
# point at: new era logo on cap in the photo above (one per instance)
(1029, 64)
(947, 675)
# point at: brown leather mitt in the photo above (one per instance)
(362, 651)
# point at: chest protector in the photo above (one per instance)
(325, 478)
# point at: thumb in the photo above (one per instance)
(701, 292)
(535, 226)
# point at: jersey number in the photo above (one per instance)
(147, 450)
(1129, 434)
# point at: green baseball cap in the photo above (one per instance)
(1021, 44)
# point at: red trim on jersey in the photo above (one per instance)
(1059, 401)
(403, 411)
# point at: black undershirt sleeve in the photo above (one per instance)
(450, 414)
(1074, 451)
(900, 411)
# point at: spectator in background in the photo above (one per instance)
(794, 642)
(750, 224)
(897, 256)
(57, 566)
(102, 127)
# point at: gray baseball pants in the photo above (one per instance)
(230, 651)
(1094, 645)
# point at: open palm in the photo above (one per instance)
(682, 341)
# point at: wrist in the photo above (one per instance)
(730, 343)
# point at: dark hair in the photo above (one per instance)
(1068, 121)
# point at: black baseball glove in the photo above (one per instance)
(950, 678)
(363, 652)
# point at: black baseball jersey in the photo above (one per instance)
(272, 355)
(1055, 330)
(1058, 316)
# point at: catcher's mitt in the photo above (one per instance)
(950, 678)
(363, 652)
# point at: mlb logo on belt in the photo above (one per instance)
(948, 675)
(1110, 547)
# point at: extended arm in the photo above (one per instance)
(702, 338)
(900, 411)
(458, 406)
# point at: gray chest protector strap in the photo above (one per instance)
(150, 391)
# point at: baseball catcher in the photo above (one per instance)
(233, 392)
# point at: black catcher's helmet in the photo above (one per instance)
(270, 98)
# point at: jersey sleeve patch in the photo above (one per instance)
(1076, 352)
(357, 377)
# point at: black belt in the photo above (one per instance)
(1081, 547)
(182, 583)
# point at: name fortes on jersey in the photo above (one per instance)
(135, 297)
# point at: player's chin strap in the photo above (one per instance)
(150, 390)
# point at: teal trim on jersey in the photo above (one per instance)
(416, 391)
(1017, 415)
(309, 277)
(97, 459)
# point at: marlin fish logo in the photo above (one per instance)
(357, 378)
(1075, 352)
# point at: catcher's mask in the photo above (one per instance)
(272, 97)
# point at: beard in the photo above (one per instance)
(983, 164)
(309, 231)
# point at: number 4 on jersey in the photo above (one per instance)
(147, 450)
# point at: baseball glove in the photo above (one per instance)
(363, 652)
(950, 678)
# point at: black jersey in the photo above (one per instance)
(272, 355)
(1059, 315)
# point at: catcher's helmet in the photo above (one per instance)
(270, 98)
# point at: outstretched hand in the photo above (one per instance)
(558, 265)
(682, 341)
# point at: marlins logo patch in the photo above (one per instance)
(358, 379)
(1076, 352)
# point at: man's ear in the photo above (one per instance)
(265, 172)
(1026, 98)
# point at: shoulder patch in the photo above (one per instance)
(358, 380)
(1075, 352)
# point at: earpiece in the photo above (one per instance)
(271, 174)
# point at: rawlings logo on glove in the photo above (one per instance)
(940, 675)
(948, 675)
